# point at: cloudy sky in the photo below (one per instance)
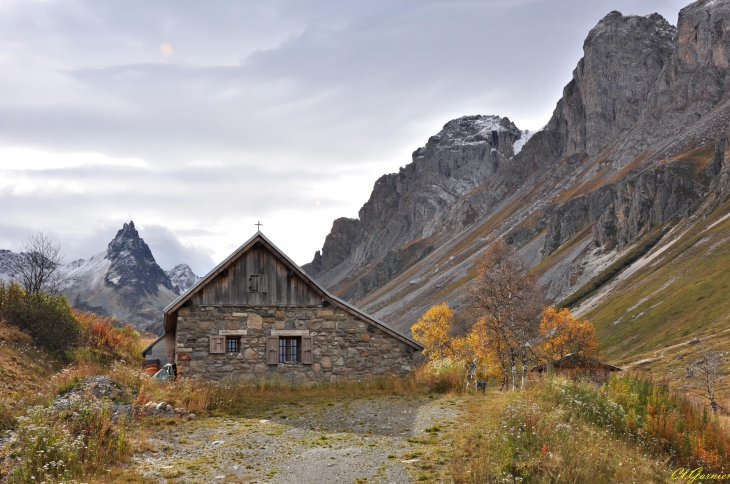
(195, 119)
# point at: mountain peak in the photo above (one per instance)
(182, 277)
(133, 266)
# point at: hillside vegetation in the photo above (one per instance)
(673, 300)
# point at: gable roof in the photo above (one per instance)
(333, 300)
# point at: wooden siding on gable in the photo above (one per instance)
(231, 287)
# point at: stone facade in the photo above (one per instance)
(344, 346)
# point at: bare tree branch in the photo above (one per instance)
(510, 300)
(706, 374)
(36, 268)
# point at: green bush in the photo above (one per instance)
(48, 319)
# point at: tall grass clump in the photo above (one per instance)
(629, 430)
(443, 375)
(55, 446)
(7, 414)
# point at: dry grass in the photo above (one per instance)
(103, 341)
(630, 431)
(253, 400)
(525, 438)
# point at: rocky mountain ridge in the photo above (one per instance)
(634, 146)
(124, 281)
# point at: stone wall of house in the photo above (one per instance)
(344, 346)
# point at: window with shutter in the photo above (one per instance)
(290, 349)
(257, 283)
(272, 350)
(217, 344)
(307, 357)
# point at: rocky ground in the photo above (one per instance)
(368, 439)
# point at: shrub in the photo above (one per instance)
(48, 319)
(103, 342)
(443, 375)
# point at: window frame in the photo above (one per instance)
(285, 348)
(237, 340)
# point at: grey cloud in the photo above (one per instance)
(169, 251)
(263, 108)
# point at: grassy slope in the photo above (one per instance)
(23, 368)
(683, 294)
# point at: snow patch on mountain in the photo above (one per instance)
(524, 138)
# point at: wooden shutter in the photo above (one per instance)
(217, 344)
(272, 350)
(257, 283)
(307, 358)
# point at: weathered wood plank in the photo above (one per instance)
(281, 289)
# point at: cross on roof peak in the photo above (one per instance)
(258, 226)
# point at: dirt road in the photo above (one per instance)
(371, 439)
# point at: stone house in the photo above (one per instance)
(258, 315)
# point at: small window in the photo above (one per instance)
(257, 283)
(233, 344)
(289, 349)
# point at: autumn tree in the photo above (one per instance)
(509, 301)
(487, 348)
(433, 330)
(563, 333)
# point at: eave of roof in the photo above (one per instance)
(259, 236)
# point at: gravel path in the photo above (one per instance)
(357, 440)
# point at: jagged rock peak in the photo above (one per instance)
(617, 23)
(500, 133)
(182, 277)
(623, 56)
(474, 129)
(132, 264)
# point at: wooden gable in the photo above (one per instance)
(257, 277)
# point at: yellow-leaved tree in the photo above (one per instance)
(433, 329)
(563, 333)
(489, 351)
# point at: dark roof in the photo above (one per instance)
(335, 301)
(571, 360)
